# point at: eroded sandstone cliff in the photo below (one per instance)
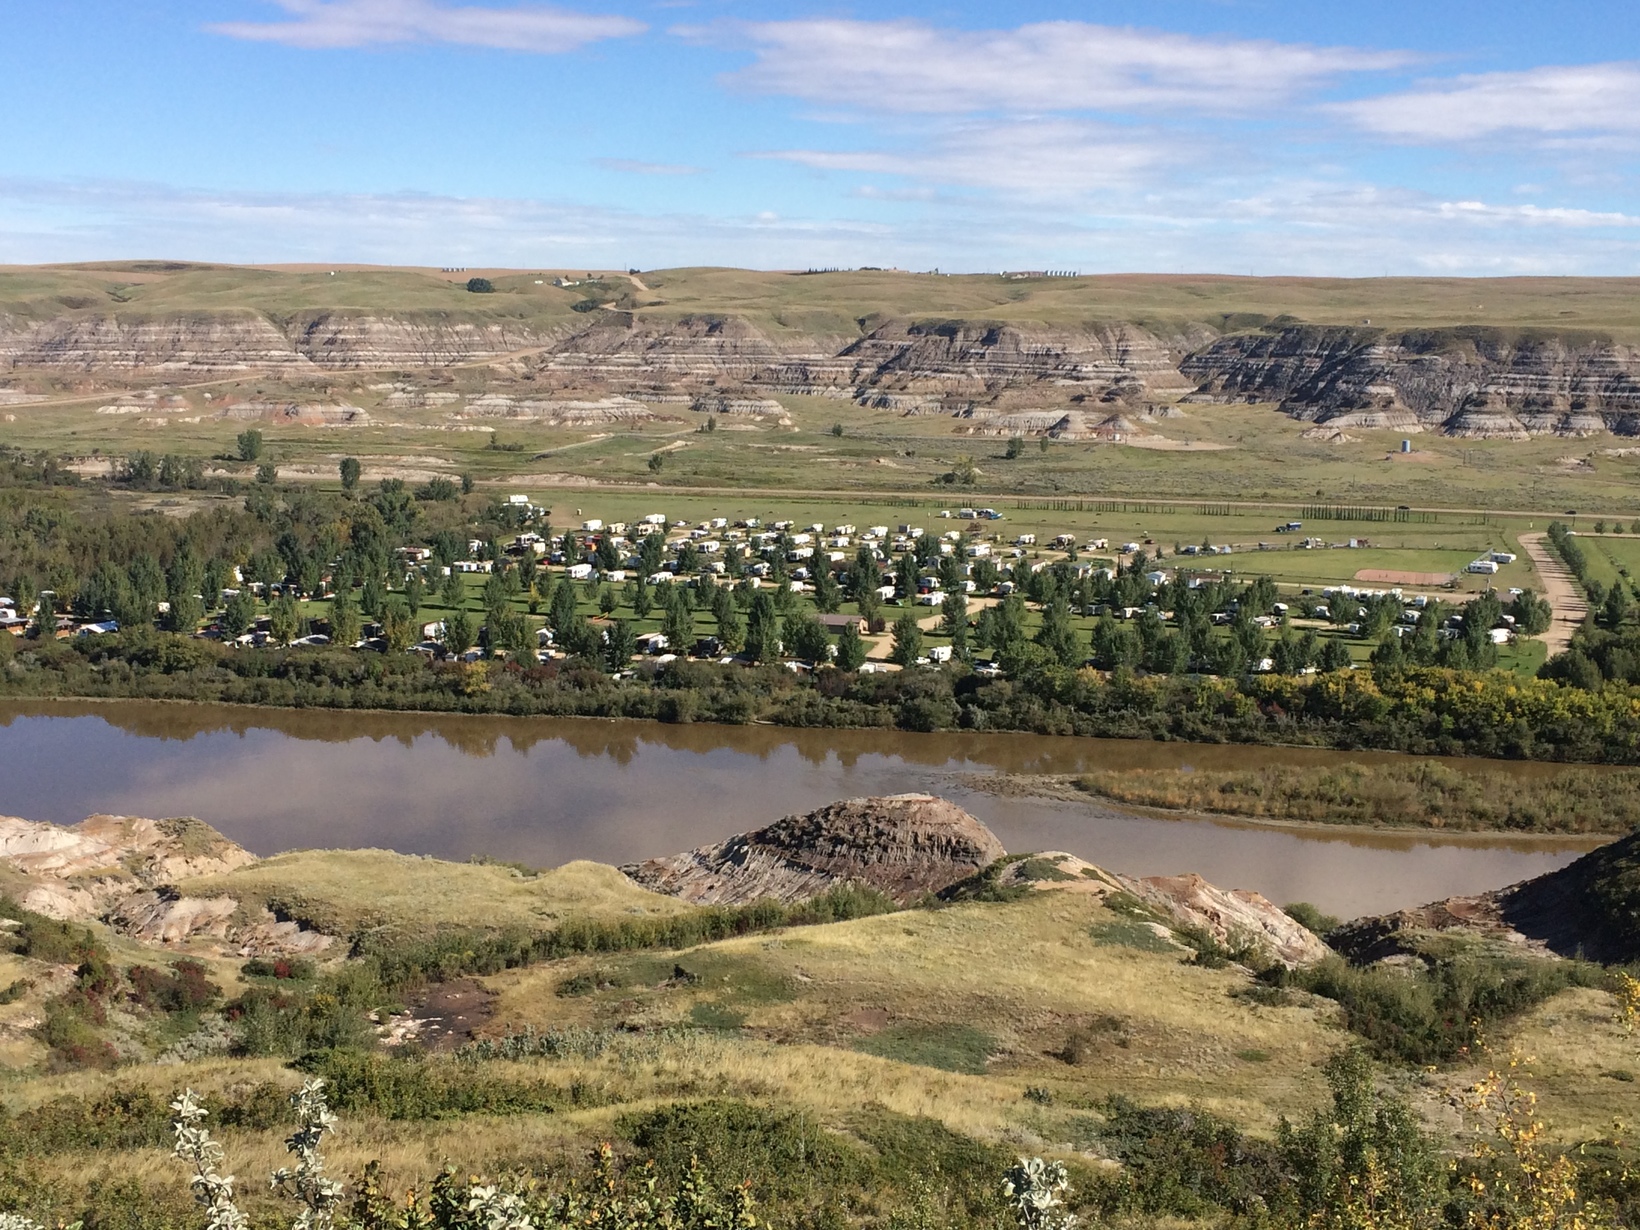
(1480, 383)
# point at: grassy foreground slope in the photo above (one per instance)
(881, 1071)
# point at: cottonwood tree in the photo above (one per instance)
(350, 471)
(250, 444)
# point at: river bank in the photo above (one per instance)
(545, 792)
(1407, 795)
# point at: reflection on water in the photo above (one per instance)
(545, 791)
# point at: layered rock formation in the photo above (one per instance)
(229, 342)
(121, 869)
(1588, 909)
(910, 845)
(904, 845)
(1478, 383)
(1467, 381)
(1232, 917)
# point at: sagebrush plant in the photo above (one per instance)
(212, 1190)
(1035, 1191)
(320, 1197)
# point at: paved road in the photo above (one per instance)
(1571, 607)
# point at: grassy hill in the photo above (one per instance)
(833, 303)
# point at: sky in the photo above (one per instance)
(1171, 136)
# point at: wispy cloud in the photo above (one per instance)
(1265, 225)
(634, 166)
(1555, 100)
(325, 24)
(913, 67)
(1049, 159)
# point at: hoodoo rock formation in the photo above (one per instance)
(904, 845)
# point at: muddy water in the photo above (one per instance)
(545, 791)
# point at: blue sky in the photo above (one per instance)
(1233, 136)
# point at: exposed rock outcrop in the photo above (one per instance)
(904, 845)
(1471, 382)
(1589, 909)
(1232, 917)
(911, 844)
(558, 412)
(120, 869)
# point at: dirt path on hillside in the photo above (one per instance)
(1571, 607)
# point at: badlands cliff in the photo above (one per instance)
(732, 342)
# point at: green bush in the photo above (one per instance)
(411, 1088)
(1434, 1015)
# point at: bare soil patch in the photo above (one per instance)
(1391, 576)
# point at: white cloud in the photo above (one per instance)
(1025, 159)
(912, 67)
(362, 23)
(1555, 100)
(634, 166)
(1256, 224)
(44, 221)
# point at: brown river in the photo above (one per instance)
(544, 791)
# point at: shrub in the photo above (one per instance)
(184, 989)
(480, 286)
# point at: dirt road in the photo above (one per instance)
(1571, 608)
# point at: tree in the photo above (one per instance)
(828, 595)
(415, 592)
(620, 643)
(763, 627)
(1335, 656)
(284, 620)
(459, 633)
(731, 628)
(1615, 610)
(451, 591)
(678, 623)
(1016, 448)
(466, 484)
(239, 614)
(344, 619)
(267, 473)
(250, 444)
(185, 612)
(480, 286)
(837, 430)
(908, 641)
(964, 471)
(954, 620)
(656, 461)
(607, 602)
(807, 639)
(351, 470)
(1533, 615)
(398, 626)
(851, 648)
(1057, 635)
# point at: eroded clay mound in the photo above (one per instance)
(904, 845)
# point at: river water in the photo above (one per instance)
(544, 791)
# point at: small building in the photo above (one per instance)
(836, 623)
